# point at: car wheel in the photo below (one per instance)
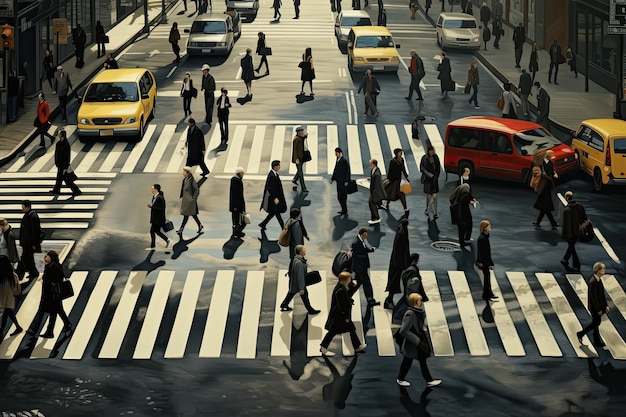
(82, 139)
(153, 112)
(597, 180)
(466, 164)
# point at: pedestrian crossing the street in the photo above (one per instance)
(152, 316)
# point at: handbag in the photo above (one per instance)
(168, 226)
(194, 92)
(106, 39)
(500, 102)
(284, 237)
(312, 278)
(449, 85)
(36, 122)
(351, 188)
(246, 218)
(64, 289)
(307, 156)
(585, 232)
(266, 51)
(17, 287)
(405, 187)
(467, 89)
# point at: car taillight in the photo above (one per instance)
(608, 156)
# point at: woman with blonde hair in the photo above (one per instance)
(483, 259)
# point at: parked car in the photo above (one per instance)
(457, 30)
(345, 20)
(372, 47)
(600, 145)
(248, 9)
(117, 102)
(213, 34)
(493, 147)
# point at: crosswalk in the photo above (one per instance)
(153, 315)
(252, 146)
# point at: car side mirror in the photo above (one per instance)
(186, 31)
(350, 45)
(145, 96)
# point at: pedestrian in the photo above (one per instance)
(556, 58)
(460, 200)
(307, 71)
(247, 72)
(377, 192)
(573, 217)
(427, 6)
(483, 259)
(48, 69)
(509, 110)
(341, 174)
(8, 281)
(410, 282)
(398, 262)
(276, 6)
(297, 284)
(415, 344)
(485, 14)
(340, 317)
(110, 62)
(42, 121)
(261, 50)
(430, 167)
(237, 204)
(189, 192)
(296, 229)
(273, 201)
(533, 65)
(223, 111)
(62, 86)
(196, 148)
(464, 177)
(597, 305)
(8, 246)
(13, 90)
(62, 157)
(208, 86)
(498, 10)
(335, 6)
(544, 202)
(445, 75)
(524, 86)
(395, 175)
(30, 240)
(468, 9)
(157, 216)
(359, 253)
(519, 38)
(80, 40)
(496, 30)
(543, 106)
(297, 157)
(100, 39)
(416, 69)
(173, 40)
(413, 9)
(371, 89)
(473, 80)
(571, 61)
(204, 7)
(486, 35)
(296, 6)
(186, 92)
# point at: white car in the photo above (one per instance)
(457, 30)
(346, 20)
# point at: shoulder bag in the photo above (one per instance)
(351, 188)
(63, 289)
(266, 51)
(585, 232)
(500, 102)
(17, 287)
(168, 226)
(312, 277)
(307, 153)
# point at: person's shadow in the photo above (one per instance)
(222, 147)
(342, 225)
(607, 375)
(303, 98)
(182, 245)
(374, 235)
(367, 319)
(201, 181)
(258, 77)
(487, 313)
(392, 222)
(301, 200)
(339, 388)
(147, 264)
(298, 352)
(267, 247)
(230, 247)
(415, 409)
(433, 230)
(244, 100)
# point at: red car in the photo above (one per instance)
(493, 147)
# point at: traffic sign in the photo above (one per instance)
(59, 33)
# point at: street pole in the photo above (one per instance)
(587, 53)
(163, 15)
(146, 23)
(619, 80)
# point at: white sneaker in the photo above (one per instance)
(150, 249)
(403, 383)
(360, 348)
(373, 221)
(433, 383)
(326, 352)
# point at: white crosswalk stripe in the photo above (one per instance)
(126, 334)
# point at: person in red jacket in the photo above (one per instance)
(42, 121)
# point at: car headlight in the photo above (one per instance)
(84, 121)
(358, 58)
(221, 44)
(395, 59)
(475, 38)
(131, 120)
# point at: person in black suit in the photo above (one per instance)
(445, 75)
(273, 197)
(62, 155)
(395, 174)
(208, 86)
(573, 217)
(359, 253)
(30, 240)
(157, 216)
(260, 50)
(377, 192)
(237, 204)
(596, 302)
(341, 174)
(80, 40)
(196, 147)
(223, 110)
(543, 106)
(483, 259)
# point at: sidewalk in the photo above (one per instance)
(569, 103)
(15, 137)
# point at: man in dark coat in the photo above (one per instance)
(273, 201)
(395, 174)
(297, 157)
(237, 204)
(62, 155)
(573, 216)
(80, 40)
(297, 282)
(359, 253)
(597, 305)
(416, 69)
(524, 86)
(556, 55)
(543, 106)
(445, 75)
(30, 240)
(208, 86)
(196, 147)
(399, 261)
(544, 202)
(377, 191)
(341, 174)
(460, 200)
(519, 37)
(485, 14)
(157, 216)
(9, 239)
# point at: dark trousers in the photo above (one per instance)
(487, 293)
(176, 50)
(43, 131)
(305, 300)
(155, 229)
(555, 66)
(187, 104)
(406, 365)
(550, 217)
(238, 223)
(415, 86)
(28, 261)
(263, 60)
(222, 119)
(370, 104)
(80, 55)
(474, 97)
(332, 333)
(203, 167)
(363, 278)
(496, 42)
(277, 13)
(62, 177)
(595, 323)
(34, 327)
(209, 99)
(269, 217)
(8, 313)
(518, 54)
(101, 49)
(342, 196)
(373, 209)
(299, 176)
(63, 104)
(571, 251)
(297, 9)
(465, 231)
(186, 218)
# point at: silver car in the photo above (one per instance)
(347, 19)
(211, 34)
(457, 30)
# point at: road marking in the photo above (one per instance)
(169, 74)
(469, 317)
(256, 150)
(510, 339)
(184, 316)
(210, 157)
(417, 149)
(278, 145)
(384, 336)
(213, 336)
(179, 154)
(90, 157)
(283, 320)
(310, 168)
(355, 110)
(25, 316)
(250, 315)
(609, 250)
(157, 153)
(373, 142)
(437, 323)
(113, 156)
(346, 342)
(332, 142)
(138, 149)
(319, 299)
(616, 292)
(349, 108)
(236, 144)
(354, 150)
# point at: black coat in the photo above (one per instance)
(573, 216)
(360, 255)
(226, 110)
(273, 189)
(247, 68)
(340, 311)
(237, 203)
(195, 146)
(297, 233)
(260, 45)
(9, 238)
(525, 83)
(341, 173)
(157, 211)
(52, 274)
(395, 175)
(445, 70)
(100, 34)
(596, 300)
(399, 259)
(208, 84)
(544, 195)
(543, 103)
(519, 36)
(377, 190)
(483, 248)
(62, 154)
(430, 173)
(412, 329)
(30, 231)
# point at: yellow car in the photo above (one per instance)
(372, 47)
(600, 145)
(118, 102)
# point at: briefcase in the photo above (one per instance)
(106, 39)
(449, 85)
(168, 226)
(352, 188)
(266, 51)
(312, 277)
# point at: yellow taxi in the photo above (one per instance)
(372, 47)
(117, 102)
(600, 145)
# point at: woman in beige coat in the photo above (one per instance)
(189, 192)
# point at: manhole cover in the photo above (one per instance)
(445, 246)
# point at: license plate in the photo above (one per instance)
(206, 51)
(106, 132)
(379, 68)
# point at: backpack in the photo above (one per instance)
(486, 34)
(284, 237)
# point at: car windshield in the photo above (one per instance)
(619, 145)
(356, 21)
(208, 27)
(105, 92)
(374, 42)
(529, 141)
(459, 24)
